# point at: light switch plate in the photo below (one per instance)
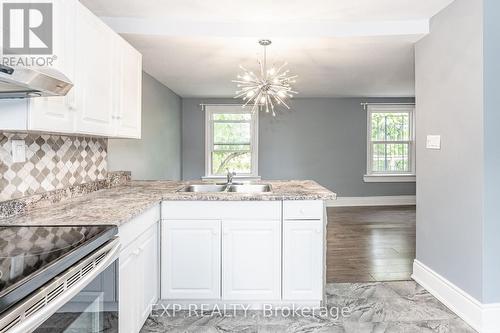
(18, 151)
(433, 142)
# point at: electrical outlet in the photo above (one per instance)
(18, 151)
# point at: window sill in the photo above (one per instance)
(235, 178)
(389, 178)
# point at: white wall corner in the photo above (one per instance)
(484, 318)
(397, 200)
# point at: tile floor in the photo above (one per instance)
(371, 307)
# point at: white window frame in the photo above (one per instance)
(210, 110)
(378, 177)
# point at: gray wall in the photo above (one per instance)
(449, 96)
(491, 291)
(323, 139)
(157, 155)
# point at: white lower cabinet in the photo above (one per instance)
(242, 253)
(194, 255)
(251, 260)
(149, 271)
(128, 294)
(139, 279)
(191, 259)
(302, 260)
(256, 258)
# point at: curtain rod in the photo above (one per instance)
(365, 104)
(204, 105)
(219, 104)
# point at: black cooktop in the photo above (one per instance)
(30, 256)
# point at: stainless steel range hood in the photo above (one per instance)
(25, 82)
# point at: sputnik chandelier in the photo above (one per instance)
(267, 90)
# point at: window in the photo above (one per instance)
(231, 141)
(391, 143)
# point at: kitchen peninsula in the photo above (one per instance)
(182, 247)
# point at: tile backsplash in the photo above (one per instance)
(52, 162)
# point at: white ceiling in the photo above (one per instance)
(338, 48)
(270, 10)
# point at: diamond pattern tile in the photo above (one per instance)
(52, 162)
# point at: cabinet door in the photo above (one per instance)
(251, 260)
(139, 280)
(191, 259)
(129, 291)
(95, 72)
(51, 114)
(302, 260)
(148, 271)
(56, 114)
(130, 85)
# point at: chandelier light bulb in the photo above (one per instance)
(271, 87)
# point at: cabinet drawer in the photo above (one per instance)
(221, 210)
(129, 231)
(303, 210)
(132, 247)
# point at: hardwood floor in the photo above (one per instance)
(370, 243)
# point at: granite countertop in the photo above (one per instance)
(119, 204)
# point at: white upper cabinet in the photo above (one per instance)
(107, 76)
(129, 91)
(56, 114)
(95, 76)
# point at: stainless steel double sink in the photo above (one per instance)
(240, 188)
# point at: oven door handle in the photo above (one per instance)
(29, 322)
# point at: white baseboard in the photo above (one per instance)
(491, 318)
(484, 318)
(396, 200)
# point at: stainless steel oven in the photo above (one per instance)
(77, 296)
